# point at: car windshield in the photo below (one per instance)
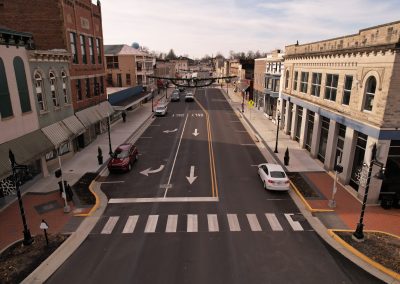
(120, 154)
(160, 108)
(278, 174)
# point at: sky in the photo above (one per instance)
(207, 27)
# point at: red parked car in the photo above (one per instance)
(123, 158)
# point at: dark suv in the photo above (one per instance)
(123, 158)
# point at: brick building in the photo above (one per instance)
(340, 97)
(259, 81)
(72, 25)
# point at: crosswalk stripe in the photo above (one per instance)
(296, 226)
(212, 223)
(109, 226)
(192, 225)
(253, 222)
(130, 224)
(171, 223)
(151, 224)
(233, 222)
(273, 222)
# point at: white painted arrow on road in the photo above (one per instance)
(195, 133)
(169, 131)
(148, 171)
(191, 178)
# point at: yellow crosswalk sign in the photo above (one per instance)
(250, 104)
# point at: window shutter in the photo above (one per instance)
(22, 85)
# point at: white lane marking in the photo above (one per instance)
(117, 181)
(151, 224)
(253, 222)
(170, 131)
(176, 155)
(212, 223)
(191, 178)
(172, 222)
(148, 171)
(109, 226)
(192, 225)
(233, 222)
(248, 144)
(195, 133)
(145, 137)
(296, 226)
(163, 199)
(130, 224)
(273, 222)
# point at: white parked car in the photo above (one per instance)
(189, 96)
(161, 110)
(273, 177)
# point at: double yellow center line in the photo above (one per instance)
(214, 185)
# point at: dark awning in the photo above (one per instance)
(26, 149)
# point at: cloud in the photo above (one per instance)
(205, 27)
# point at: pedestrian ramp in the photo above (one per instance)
(192, 223)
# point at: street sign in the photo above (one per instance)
(250, 104)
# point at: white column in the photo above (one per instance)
(287, 117)
(331, 145)
(303, 130)
(350, 142)
(294, 122)
(316, 135)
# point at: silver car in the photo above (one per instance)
(161, 110)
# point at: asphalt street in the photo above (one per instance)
(193, 210)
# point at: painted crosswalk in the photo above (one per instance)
(192, 223)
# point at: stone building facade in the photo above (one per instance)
(341, 96)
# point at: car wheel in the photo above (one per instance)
(136, 157)
(129, 167)
(265, 186)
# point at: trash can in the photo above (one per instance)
(387, 199)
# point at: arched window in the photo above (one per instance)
(64, 87)
(22, 85)
(5, 100)
(53, 89)
(41, 98)
(287, 79)
(370, 93)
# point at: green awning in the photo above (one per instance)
(89, 116)
(58, 133)
(26, 149)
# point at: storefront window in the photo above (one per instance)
(298, 126)
(323, 140)
(310, 127)
(358, 159)
(340, 144)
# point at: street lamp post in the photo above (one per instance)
(14, 166)
(152, 103)
(277, 133)
(109, 135)
(166, 93)
(358, 235)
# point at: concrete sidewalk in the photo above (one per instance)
(320, 216)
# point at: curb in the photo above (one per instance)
(309, 208)
(359, 254)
